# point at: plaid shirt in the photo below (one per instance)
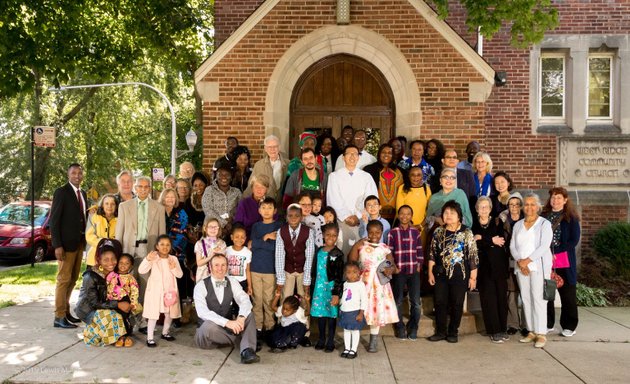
(406, 249)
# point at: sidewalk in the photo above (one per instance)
(31, 350)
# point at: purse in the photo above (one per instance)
(561, 260)
(170, 296)
(557, 278)
(549, 290)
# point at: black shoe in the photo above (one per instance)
(278, 350)
(329, 348)
(512, 331)
(319, 345)
(259, 340)
(62, 322)
(437, 337)
(151, 343)
(344, 354)
(401, 333)
(248, 356)
(352, 355)
(306, 342)
(72, 319)
(168, 337)
(451, 338)
(524, 332)
(143, 330)
(177, 323)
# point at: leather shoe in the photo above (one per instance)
(437, 337)
(62, 322)
(248, 356)
(72, 319)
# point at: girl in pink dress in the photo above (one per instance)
(161, 295)
(381, 307)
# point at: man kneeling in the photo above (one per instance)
(214, 298)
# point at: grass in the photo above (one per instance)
(25, 284)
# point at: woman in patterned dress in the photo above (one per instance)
(381, 309)
(104, 326)
(388, 179)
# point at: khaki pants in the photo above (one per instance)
(263, 289)
(67, 275)
(291, 280)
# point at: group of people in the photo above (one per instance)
(334, 234)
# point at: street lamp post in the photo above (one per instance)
(168, 103)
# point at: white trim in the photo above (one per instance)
(552, 119)
(600, 119)
(461, 46)
(234, 39)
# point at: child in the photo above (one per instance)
(207, 246)
(406, 246)
(295, 247)
(313, 222)
(291, 327)
(161, 294)
(317, 206)
(373, 212)
(353, 307)
(122, 286)
(371, 254)
(262, 267)
(330, 216)
(239, 258)
(328, 277)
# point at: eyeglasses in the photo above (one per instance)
(450, 157)
(212, 227)
(445, 177)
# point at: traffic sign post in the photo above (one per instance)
(44, 136)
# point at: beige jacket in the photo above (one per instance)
(127, 225)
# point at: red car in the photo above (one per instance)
(15, 231)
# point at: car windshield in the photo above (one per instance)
(21, 214)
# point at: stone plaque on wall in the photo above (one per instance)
(594, 161)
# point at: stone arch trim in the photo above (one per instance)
(353, 40)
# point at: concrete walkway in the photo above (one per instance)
(31, 350)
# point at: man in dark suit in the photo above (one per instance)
(465, 180)
(67, 227)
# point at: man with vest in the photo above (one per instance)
(215, 297)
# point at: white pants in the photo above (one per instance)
(534, 306)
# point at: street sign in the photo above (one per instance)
(44, 136)
(158, 174)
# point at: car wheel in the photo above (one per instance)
(39, 252)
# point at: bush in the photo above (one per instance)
(611, 242)
(590, 297)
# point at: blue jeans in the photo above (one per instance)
(413, 287)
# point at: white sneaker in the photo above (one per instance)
(567, 333)
(551, 330)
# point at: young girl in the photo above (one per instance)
(353, 306)
(207, 246)
(381, 309)
(291, 326)
(239, 257)
(122, 286)
(317, 206)
(330, 216)
(328, 277)
(311, 221)
(161, 294)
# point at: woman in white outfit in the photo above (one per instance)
(530, 247)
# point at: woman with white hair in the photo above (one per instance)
(530, 248)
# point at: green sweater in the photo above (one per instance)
(438, 200)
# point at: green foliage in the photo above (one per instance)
(527, 19)
(611, 243)
(591, 297)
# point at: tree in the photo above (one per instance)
(59, 42)
(528, 19)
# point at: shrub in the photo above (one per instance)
(590, 297)
(611, 242)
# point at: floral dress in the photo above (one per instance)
(381, 307)
(323, 289)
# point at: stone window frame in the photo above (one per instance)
(612, 86)
(577, 49)
(548, 120)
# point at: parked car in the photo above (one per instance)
(15, 231)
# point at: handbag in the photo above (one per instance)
(170, 296)
(549, 290)
(561, 260)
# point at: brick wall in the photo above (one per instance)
(595, 217)
(229, 14)
(442, 74)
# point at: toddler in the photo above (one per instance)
(122, 286)
(353, 306)
(291, 327)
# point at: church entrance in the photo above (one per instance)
(342, 90)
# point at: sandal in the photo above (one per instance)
(128, 342)
(120, 342)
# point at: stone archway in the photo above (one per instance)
(332, 40)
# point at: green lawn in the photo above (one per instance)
(25, 284)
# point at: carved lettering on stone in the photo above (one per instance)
(594, 162)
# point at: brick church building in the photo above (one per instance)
(562, 117)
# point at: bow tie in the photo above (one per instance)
(222, 283)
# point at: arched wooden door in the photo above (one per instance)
(342, 90)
